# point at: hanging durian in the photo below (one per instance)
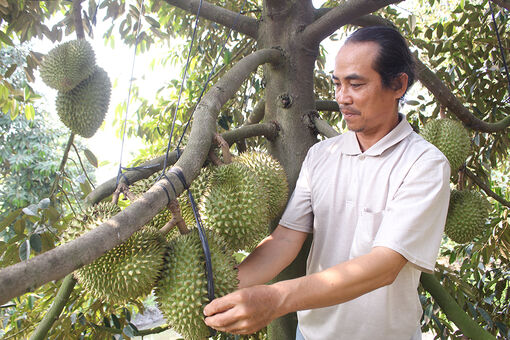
(467, 214)
(451, 138)
(181, 291)
(127, 271)
(68, 64)
(235, 205)
(83, 108)
(272, 176)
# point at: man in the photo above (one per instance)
(375, 199)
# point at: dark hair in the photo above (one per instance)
(394, 55)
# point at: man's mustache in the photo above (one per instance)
(349, 110)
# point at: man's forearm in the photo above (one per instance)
(270, 257)
(341, 283)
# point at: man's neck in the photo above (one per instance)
(366, 141)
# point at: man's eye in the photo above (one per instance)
(356, 85)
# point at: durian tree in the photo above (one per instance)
(272, 90)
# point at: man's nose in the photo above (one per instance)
(342, 97)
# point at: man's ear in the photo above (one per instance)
(399, 84)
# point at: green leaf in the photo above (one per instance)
(90, 157)
(31, 210)
(5, 38)
(10, 70)
(116, 321)
(85, 188)
(24, 251)
(29, 112)
(19, 227)
(36, 242)
(439, 30)
(9, 219)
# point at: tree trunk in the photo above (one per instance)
(289, 99)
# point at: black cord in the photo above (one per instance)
(500, 46)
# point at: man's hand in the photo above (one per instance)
(244, 311)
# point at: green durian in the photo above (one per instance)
(235, 205)
(272, 176)
(68, 64)
(451, 138)
(467, 214)
(83, 109)
(127, 271)
(181, 292)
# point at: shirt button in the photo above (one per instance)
(361, 157)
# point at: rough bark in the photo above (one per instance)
(240, 23)
(503, 3)
(56, 263)
(453, 311)
(328, 23)
(327, 105)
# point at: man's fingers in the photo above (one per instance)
(219, 305)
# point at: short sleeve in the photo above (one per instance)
(414, 219)
(298, 214)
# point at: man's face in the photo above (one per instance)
(367, 107)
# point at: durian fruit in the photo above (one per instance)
(467, 213)
(235, 205)
(68, 64)
(83, 108)
(127, 271)
(197, 188)
(451, 138)
(181, 291)
(272, 176)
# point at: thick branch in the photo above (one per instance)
(326, 105)
(502, 3)
(240, 23)
(486, 188)
(257, 114)
(453, 311)
(78, 21)
(58, 262)
(448, 99)
(65, 290)
(146, 169)
(339, 16)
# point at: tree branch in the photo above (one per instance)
(486, 188)
(225, 17)
(257, 114)
(269, 130)
(323, 127)
(339, 16)
(502, 3)
(326, 105)
(448, 99)
(453, 311)
(65, 290)
(58, 262)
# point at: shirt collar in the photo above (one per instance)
(401, 131)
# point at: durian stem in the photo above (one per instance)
(453, 311)
(124, 189)
(442, 112)
(82, 166)
(486, 188)
(65, 290)
(225, 148)
(214, 159)
(175, 209)
(168, 226)
(62, 164)
(460, 182)
(78, 22)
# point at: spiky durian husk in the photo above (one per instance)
(451, 138)
(272, 176)
(128, 271)
(83, 108)
(181, 291)
(234, 205)
(467, 214)
(68, 64)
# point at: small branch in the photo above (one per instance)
(225, 148)
(168, 226)
(225, 17)
(174, 208)
(82, 166)
(257, 114)
(62, 164)
(214, 159)
(486, 188)
(503, 3)
(65, 290)
(323, 127)
(78, 22)
(339, 16)
(453, 311)
(326, 105)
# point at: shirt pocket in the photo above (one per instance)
(366, 230)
